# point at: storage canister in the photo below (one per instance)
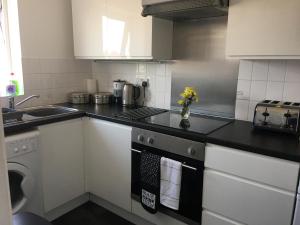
(79, 98)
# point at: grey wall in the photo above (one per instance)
(199, 51)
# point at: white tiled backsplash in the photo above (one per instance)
(158, 94)
(52, 79)
(263, 79)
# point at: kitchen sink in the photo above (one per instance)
(7, 110)
(45, 111)
(12, 116)
(34, 113)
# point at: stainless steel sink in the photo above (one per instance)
(46, 111)
(12, 117)
(7, 110)
(35, 113)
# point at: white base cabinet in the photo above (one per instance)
(108, 161)
(246, 201)
(248, 188)
(209, 218)
(62, 162)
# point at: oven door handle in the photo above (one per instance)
(183, 164)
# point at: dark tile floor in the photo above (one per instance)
(90, 214)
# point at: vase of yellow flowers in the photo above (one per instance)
(188, 96)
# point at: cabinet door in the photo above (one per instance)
(88, 19)
(108, 161)
(126, 33)
(209, 218)
(62, 162)
(264, 29)
(111, 29)
(246, 201)
(271, 171)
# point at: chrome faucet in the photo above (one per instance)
(12, 104)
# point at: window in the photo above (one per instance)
(11, 76)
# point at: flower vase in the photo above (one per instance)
(185, 113)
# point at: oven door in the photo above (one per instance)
(190, 205)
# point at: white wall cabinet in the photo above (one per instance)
(62, 162)
(115, 29)
(248, 188)
(108, 161)
(266, 29)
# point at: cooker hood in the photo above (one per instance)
(185, 9)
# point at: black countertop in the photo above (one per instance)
(241, 135)
(237, 134)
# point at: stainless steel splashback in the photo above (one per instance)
(199, 51)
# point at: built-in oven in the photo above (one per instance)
(189, 153)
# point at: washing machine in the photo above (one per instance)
(24, 172)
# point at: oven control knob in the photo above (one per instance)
(191, 151)
(150, 141)
(141, 138)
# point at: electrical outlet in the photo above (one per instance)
(140, 80)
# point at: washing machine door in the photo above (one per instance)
(21, 184)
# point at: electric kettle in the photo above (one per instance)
(131, 93)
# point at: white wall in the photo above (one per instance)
(46, 28)
(158, 93)
(5, 209)
(263, 79)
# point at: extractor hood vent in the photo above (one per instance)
(185, 9)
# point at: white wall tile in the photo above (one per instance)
(31, 66)
(277, 70)
(258, 90)
(275, 90)
(161, 83)
(245, 69)
(158, 93)
(292, 91)
(293, 71)
(161, 69)
(242, 108)
(53, 79)
(243, 89)
(274, 80)
(260, 70)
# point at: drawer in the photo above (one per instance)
(209, 218)
(263, 169)
(246, 201)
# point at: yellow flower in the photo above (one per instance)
(180, 102)
(188, 94)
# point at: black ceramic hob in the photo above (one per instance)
(196, 123)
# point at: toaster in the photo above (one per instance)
(277, 116)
